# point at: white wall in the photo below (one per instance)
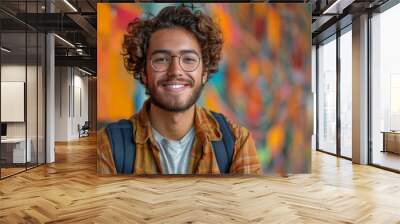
(33, 126)
(13, 101)
(71, 94)
(13, 72)
(80, 102)
(16, 73)
(61, 103)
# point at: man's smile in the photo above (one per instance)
(175, 86)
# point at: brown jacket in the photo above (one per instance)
(203, 160)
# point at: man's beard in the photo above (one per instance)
(172, 107)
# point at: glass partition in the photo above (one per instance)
(41, 87)
(22, 89)
(13, 105)
(31, 99)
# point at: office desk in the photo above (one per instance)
(13, 150)
(391, 141)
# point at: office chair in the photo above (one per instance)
(84, 130)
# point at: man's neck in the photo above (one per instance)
(172, 125)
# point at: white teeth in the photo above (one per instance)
(175, 86)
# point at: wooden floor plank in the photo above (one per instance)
(69, 191)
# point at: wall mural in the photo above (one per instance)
(263, 82)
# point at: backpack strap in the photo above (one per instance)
(123, 147)
(223, 149)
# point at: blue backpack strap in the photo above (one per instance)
(123, 147)
(223, 149)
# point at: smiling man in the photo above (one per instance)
(173, 55)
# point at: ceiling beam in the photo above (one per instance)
(337, 7)
(86, 26)
(81, 61)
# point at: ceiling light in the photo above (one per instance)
(65, 41)
(79, 51)
(5, 50)
(70, 5)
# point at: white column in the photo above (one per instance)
(50, 100)
(360, 90)
(50, 92)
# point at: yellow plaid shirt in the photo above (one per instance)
(202, 161)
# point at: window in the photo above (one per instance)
(346, 93)
(385, 88)
(327, 96)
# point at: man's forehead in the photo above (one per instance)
(167, 51)
(174, 40)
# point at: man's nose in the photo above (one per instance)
(174, 68)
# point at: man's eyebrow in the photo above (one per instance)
(161, 51)
(169, 52)
(188, 51)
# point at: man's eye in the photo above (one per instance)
(189, 60)
(160, 60)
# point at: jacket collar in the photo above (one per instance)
(205, 124)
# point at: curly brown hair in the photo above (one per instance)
(206, 31)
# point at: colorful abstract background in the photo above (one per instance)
(263, 82)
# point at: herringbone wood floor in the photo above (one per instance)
(69, 191)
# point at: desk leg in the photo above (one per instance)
(384, 142)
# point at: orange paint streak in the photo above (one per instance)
(275, 138)
(274, 29)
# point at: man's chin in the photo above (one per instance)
(175, 104)
(172, 106)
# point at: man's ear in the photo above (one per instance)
(204, 78)
(143, 77)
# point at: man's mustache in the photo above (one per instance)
(177, 80)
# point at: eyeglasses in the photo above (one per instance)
(188, 61)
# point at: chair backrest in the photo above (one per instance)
(86, 125)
